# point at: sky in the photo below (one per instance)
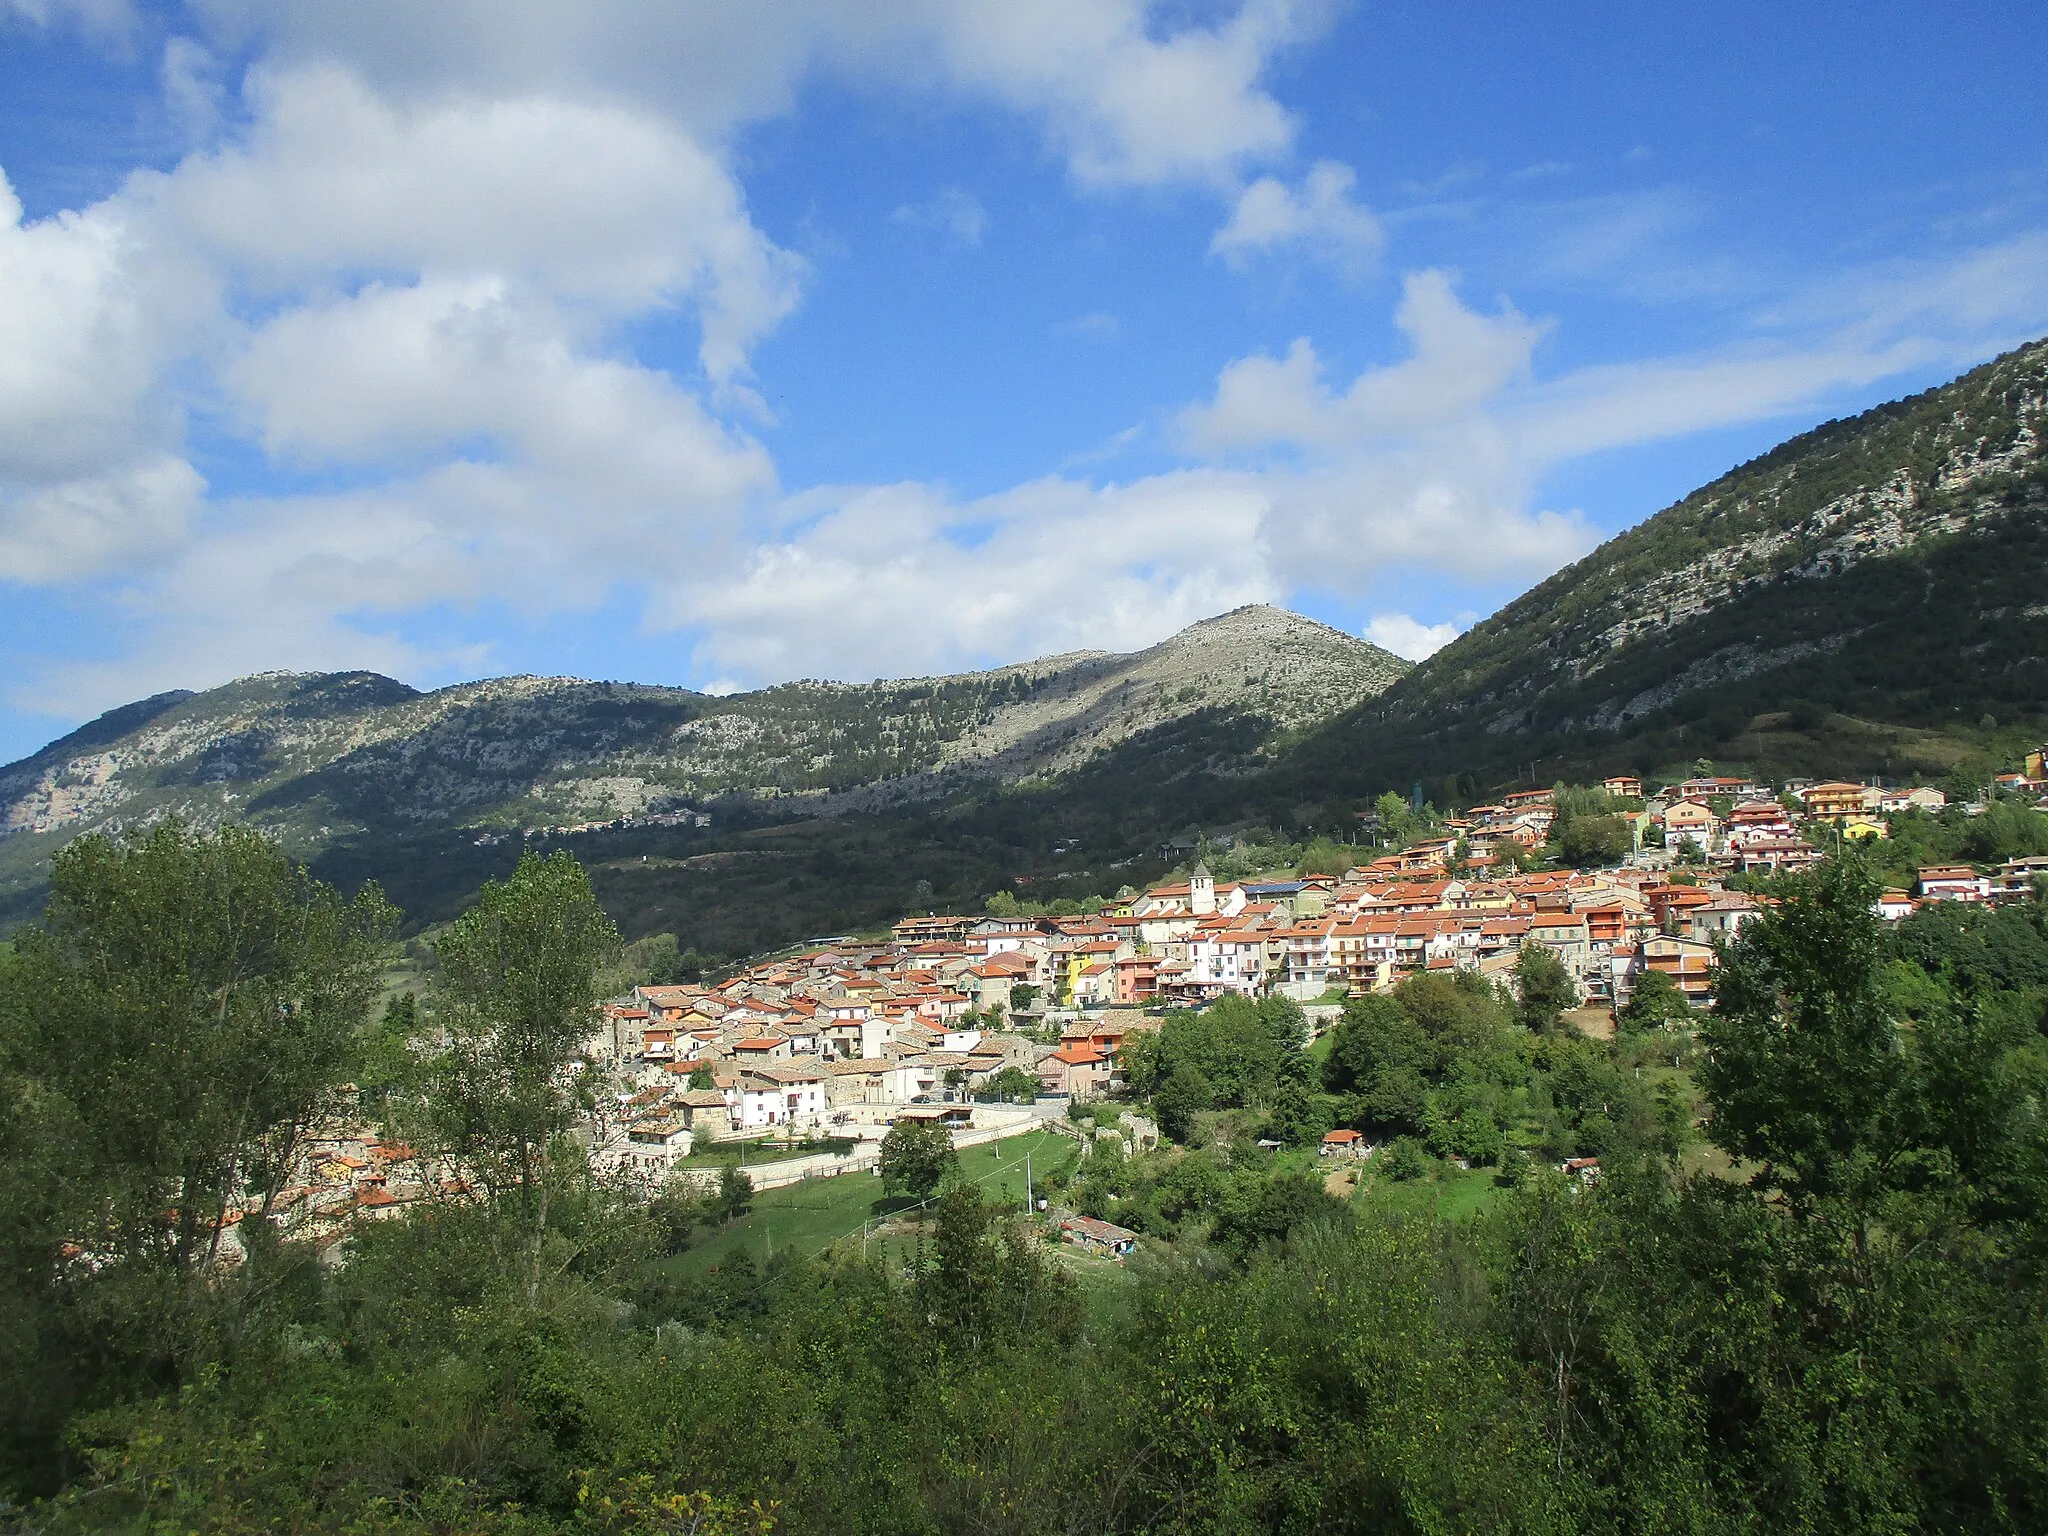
(719, 344)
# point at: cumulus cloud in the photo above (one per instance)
(592, 203)
(413, 266)
(1409, 637)
(1125, 96)
(77, 526)
(1320, 216)
(1128, 105)
(87, 312)
(1459, 361)
(894, 579)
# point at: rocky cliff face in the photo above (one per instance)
(1957, 460)
(1888, 569)
(315, 757)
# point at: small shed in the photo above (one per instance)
(1099, 1237)
(1585, 1169)
(1344, 1143)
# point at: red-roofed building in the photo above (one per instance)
(1080, 1071)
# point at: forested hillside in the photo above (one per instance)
(1837, 1327)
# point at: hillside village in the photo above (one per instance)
(846, 1037)
(962, 1020)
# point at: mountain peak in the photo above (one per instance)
(314, 757)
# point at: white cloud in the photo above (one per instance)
(432, 292)
(194, 91)
(1409, 637)
(1460, 361)
(1321, 217)
(896, 579)
(951, 211)
(1127, 105)
(1125, 97)
(87, 311)
(103, 21)
(592, 203)
(82, 525)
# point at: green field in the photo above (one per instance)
(1446, 1193)
(717, 1154)
(809, 1217)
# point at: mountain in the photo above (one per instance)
(356, 760)
(1870, 596)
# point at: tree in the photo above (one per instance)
(1383, 1058)
(226, 989)
(1586, 842)
(916, 1155)
(1654, 1003)
(1393, 817)
(1013, 1083)
(700, 1076)
(169, 1034)
(1185, 1094)
(1803, 1062)
(1405, 1159)
(735, 1193)
(517, 997)
(1544, 987)
(1299, 1117)
(1261, 1211)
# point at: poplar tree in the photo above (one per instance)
(516, 999)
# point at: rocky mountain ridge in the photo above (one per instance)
(1886, 570)
(312, 757)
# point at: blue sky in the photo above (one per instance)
(722, 344)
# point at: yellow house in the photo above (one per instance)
(1690, 818)
(1862, 828)
(1837, 800)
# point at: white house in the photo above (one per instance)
(779, 1093)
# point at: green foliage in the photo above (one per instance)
(1544, 989)
(1589, 842)
(1405, 1159)
(169, 1036)
(1978, 949)
(987, 1283)
(915, 1156)
(1654, 1003)
(1012, 1085)
(1804, 1061)
(1185, 1094)
(1299, 1118)
(1258, 1213)
(1854, 1343)
(517, 997)
(1236, 1052)
(735, 1195)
